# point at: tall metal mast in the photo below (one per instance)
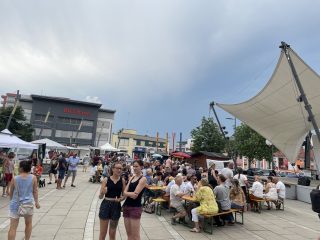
(215, 114)
(286, 49)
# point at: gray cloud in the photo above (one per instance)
(145, 56)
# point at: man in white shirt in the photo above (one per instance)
(228, 174)
(176, 200)
(188, 186)
(257, 189)
(281, 190)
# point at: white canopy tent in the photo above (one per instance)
(8, 140)
(109, 147)
(50, 143)
(275, 112)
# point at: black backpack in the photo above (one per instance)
(315, 200)
(304, 181)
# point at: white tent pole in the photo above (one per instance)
(285, 47)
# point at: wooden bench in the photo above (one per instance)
(258, 204)
(158, 207)
(211, 217)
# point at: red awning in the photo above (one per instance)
(181, 155)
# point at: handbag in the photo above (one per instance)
(149, 208)
(3, 182)
(25, 209)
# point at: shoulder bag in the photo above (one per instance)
(25, 209)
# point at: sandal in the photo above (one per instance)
(196, 230)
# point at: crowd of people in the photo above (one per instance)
(125, 182)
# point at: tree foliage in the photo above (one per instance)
(207, 137)
(251, 144)
(18, 126)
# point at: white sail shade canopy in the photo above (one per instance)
(275, 112)
(8, 140)
(108, 147)
(50, 143)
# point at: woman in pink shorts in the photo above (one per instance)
(132, 207)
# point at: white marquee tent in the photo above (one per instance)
(275, 112)
(109, 147)
(50, 143)
(8, 140)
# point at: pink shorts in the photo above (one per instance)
(132, 212)
(8, 177)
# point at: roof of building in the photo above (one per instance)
(106, 110)
(140, 137)
(61, 99)
(210, 154)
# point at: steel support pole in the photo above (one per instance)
(286, 49)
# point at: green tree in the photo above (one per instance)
(18, 126)
(251, 144)
(207, 137)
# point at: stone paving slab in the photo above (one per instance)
(72, 213)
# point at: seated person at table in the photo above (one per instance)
(208, 204)
(270, 192)
(237, 196)
(188, 186)
(222, 197)
(281, 190)
(149, 176)
(176, 200)
(99, 169)
(157, 178)
(256, 190)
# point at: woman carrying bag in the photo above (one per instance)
(112, 194)
(23, 196)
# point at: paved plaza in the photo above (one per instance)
(73, 214)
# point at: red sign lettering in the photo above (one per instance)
(76, 111)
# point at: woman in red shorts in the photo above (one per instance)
(132, 207)
(8, 167)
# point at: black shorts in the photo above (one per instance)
(110, 210)
(53, 171)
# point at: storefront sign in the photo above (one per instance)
(76, 111)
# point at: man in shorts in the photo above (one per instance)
(61, 167)
(176, 201)
(73, 162)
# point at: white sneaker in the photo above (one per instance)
(4, 195)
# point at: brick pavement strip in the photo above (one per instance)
(73, 214)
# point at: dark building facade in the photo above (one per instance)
(67, 121)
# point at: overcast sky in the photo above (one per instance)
(157, 63)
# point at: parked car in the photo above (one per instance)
(254, 171)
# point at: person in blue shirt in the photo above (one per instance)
(73, 162)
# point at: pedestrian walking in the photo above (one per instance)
(61, 167)
(8, 166)
(86, 161)
(53, 169)
(112, 194)
(132, 207)
(73, 162)
(23, 197)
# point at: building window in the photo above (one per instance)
(41, 118)
(103, 124)
(138, 142)
(84, 135)
(87, 123)
(124, 142)
(45, 132)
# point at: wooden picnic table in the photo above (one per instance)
(156, 188)
(188, 198)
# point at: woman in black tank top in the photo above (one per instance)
(132, 208)
(110, 209)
